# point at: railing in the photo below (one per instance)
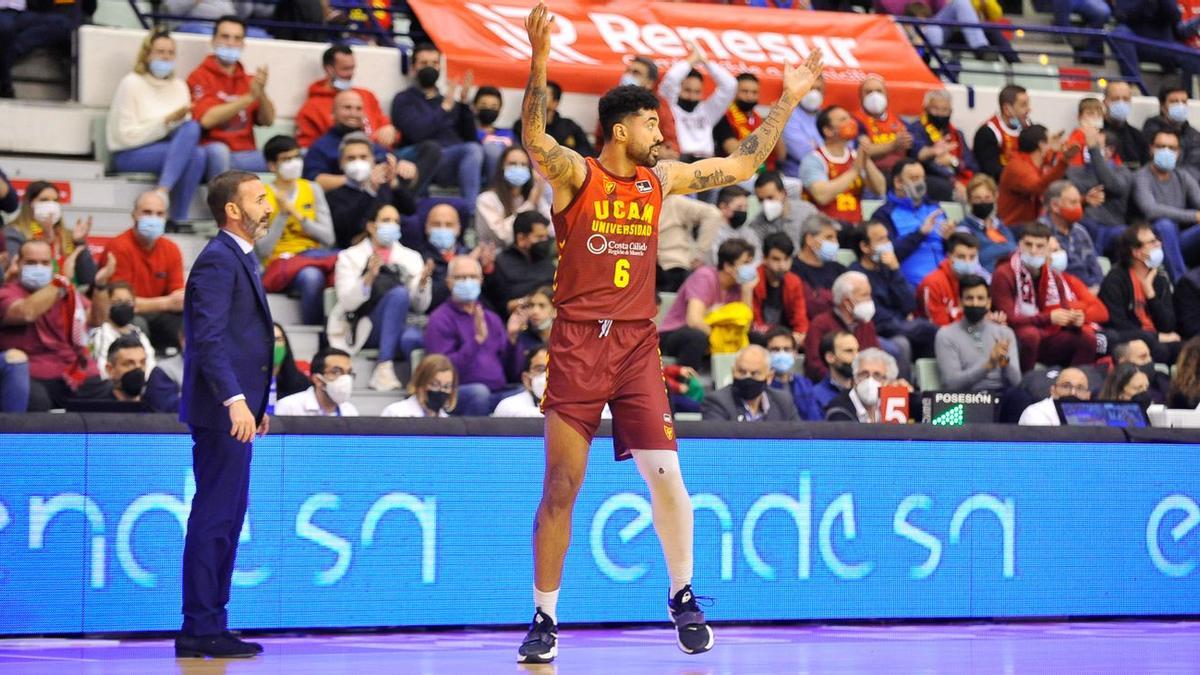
(946, 67)
(367, 27)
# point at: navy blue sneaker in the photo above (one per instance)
(695, 636)
(541, 642)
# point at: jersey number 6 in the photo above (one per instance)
(621, 273)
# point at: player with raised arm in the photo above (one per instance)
(604, 345)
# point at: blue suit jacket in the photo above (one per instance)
(228, 336)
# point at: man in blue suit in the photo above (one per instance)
(229, 339)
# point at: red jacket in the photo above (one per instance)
(1022, 185)
(316, 115)
(937, 295)
(211, 86)
(829, 322)
(1004, 299)
(795, 312)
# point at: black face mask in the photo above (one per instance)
(343, 129)
(540, 250)
(121, 314)
(427, 76)
(1143, 399)
(939, 121)
(745, 106)
(737, 219)
(1069, 399)
(688, 106)
(748, 388)
(133, 382)
(982, 211)
(1149, 371)
(436, 400)
(974, 314)
(846, 370)
(488, 117)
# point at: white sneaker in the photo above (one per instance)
(384, 377)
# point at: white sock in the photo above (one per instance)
(547, 601)
(672, 510)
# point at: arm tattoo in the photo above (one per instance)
(704, 181)
(557, 163)
(759, 144)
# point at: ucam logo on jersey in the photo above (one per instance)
(590, 44)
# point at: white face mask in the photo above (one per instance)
(864, 311)
(772, 208)
(290, 169)
(47, 213)
(537, 384)
(812, 101)
(339, 389)
(358, 170)
(868, 392)
(875, 103)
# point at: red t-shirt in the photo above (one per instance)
(211, 85)
(608, 247)
(152, 273)
(316, 115)
(47, 341)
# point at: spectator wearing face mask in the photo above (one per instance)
(495, 140)
(1137, 353)
(315, 118)
(749, 398)
(153, 265)
(1040, 161)
(442, 242)
(835, 174)
(1070, 385)
(149, 126)
(732, 201)
(322, 161)
(1090, 116)
(296, 251)
(781, 345)
(816, 264)
(523, 267)
(997, 138)
(119, 324)
(914, 222)
(695, 116)
(800, 135)
(994, 239)
(894, 297)
(883, 136)
(514, 190)
(937, 296)
(779, 295)
(1173, 118)
(368, 187)
(473, 337)
(942, 148)
(1107, 185)
(128, 369)
(329, 395)
(853, 311)
(42, 315)
(1064, 211)
(40, 218)
(1139, 296)
(1131, 147)
(433, 391)
(837, 351)
(779, 213)
(741, 119)
(1127, 382)
(686, 230)
(1055, 320)
(527, 402)
(378, 283)
(1170, 199)
(537, 316)
(873, 369)
(684, 332)
(975, 353)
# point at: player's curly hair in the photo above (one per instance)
(621, 102)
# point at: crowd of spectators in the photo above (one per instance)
(822, 303)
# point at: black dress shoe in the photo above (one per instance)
(258, 648)
(223, 646)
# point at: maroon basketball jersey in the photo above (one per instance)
(608, 247)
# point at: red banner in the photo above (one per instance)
(591, 42)
(63, 187)
(1188, 10)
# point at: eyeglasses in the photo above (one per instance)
(337, 372)
(444, 388)
(467, 277)
(1072, 388)
(864, 376)
(538, 370)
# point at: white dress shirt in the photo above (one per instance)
(305, 404)
(409, 407)
(1041, 414)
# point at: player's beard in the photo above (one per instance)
(647, 157)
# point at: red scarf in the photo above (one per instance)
(1052, 290)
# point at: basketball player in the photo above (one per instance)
(604, 346)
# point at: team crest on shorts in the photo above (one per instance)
(643, 186)
(609, 187)
(669, 432)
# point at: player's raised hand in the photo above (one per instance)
(537, 24)
(797, 80)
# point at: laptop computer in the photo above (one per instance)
(1123, 414)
